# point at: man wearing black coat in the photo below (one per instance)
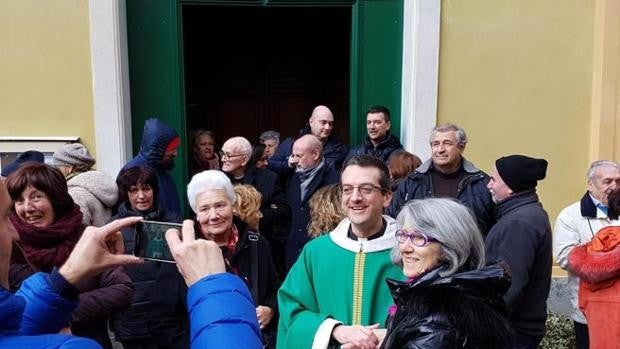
(379, 142)
(522, 238)
(312, 173)
(274, 225)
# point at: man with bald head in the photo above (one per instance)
(320, 124)
(312, 171)
(236, 154)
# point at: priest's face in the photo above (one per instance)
(363, 199)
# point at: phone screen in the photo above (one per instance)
(151, 241)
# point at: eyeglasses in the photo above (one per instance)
(364, 189)
(230, 156)
(297, 156)
(417, 238)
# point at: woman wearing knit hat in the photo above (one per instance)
(94, 191)
(73, 159)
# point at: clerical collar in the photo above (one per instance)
(376, 235)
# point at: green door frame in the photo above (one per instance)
(154, 31)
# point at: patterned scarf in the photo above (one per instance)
(48, 247)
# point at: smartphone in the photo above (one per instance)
(151, 240)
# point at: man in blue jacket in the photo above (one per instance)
(33, 316)
(448, 174)
(157, 151)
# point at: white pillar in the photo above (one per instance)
(110, 74)
(420, 74)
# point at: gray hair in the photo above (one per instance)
(452, 224)
(461, 136)
(601, 163)
(267, 135)
(209, 180)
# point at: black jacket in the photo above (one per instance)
(168, 320)
(383, 150)
(300, 209)
(472, 192)
(275, 209)
(522, 238)
(464, 310)
(132, 323)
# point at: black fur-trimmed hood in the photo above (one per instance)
(464, 310)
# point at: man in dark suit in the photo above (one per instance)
(312, 172)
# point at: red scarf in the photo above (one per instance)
(48, 247)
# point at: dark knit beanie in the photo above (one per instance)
(521, 172)
(27, 156)
(73, 154)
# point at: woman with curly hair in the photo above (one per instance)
(247, 206)
(325, 210)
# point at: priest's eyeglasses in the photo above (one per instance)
(417, 238)
(364, 189)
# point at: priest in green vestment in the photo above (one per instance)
(335, 293)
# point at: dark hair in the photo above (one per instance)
(257, 153)
(613, 203)
(370, 161)
(401, 163)
(379, 109)
(134, 176)
(45, 178)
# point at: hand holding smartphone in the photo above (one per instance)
(151, 240)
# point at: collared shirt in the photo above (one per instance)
(602, 207)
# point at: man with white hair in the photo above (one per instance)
(236, 154)
(577, 224)
(312, 172)
(320, 124)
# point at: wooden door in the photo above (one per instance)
(244, 75)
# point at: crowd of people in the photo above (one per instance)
(299, 243)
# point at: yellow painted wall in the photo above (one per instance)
(517, 75)
(45, 69)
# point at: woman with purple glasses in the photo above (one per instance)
(451, 300)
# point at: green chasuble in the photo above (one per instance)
(336, 280)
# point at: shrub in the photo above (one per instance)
(560, 333)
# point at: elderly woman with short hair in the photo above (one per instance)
(212, 197)
(451, 299)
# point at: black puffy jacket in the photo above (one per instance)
(463, 310)
(472, 192)
(383, 150)
(132, 323)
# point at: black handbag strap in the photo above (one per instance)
(253, 237)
